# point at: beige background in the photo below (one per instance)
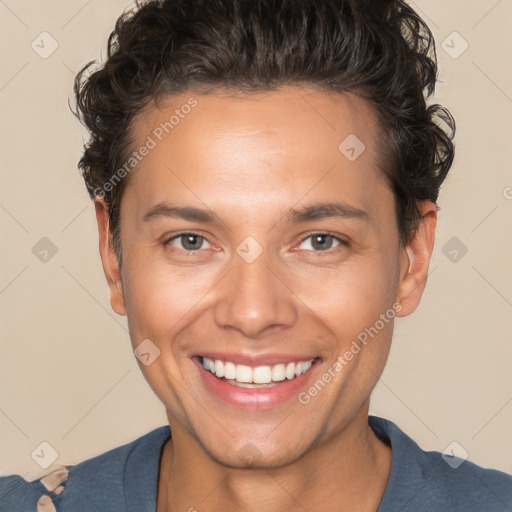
(67, 373)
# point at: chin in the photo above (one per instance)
(265, 454)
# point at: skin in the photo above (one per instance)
(249, 159)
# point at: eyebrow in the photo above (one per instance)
(293, 216)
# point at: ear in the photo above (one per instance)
(108, 257)
(414, 260)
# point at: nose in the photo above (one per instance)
(253, 298)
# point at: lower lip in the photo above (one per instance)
(255, 398)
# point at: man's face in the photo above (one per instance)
(257, 286)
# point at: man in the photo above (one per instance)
(265, 177)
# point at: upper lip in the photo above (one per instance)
(255, 360)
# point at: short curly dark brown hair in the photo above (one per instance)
(382, 51)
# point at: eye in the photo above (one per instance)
(323, 242)
(318, 242)
(190, 242)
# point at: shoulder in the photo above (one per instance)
(107, 482)
(421, 480)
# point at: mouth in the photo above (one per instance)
(255, 377)
(255, 385)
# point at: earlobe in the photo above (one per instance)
(415, 259)
(108, 257)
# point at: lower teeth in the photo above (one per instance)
(249, 385)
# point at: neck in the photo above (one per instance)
(348, 471)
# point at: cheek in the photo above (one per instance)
(161, 300)
(351, 297)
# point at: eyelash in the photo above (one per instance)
(342, 243)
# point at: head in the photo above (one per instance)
(301, 130)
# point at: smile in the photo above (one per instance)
(247, 376)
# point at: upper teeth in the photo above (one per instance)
(257, 375)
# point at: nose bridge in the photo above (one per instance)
(253, 296)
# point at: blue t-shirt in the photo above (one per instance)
(125, 480)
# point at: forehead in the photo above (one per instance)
(292, 112)
(272, 147)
